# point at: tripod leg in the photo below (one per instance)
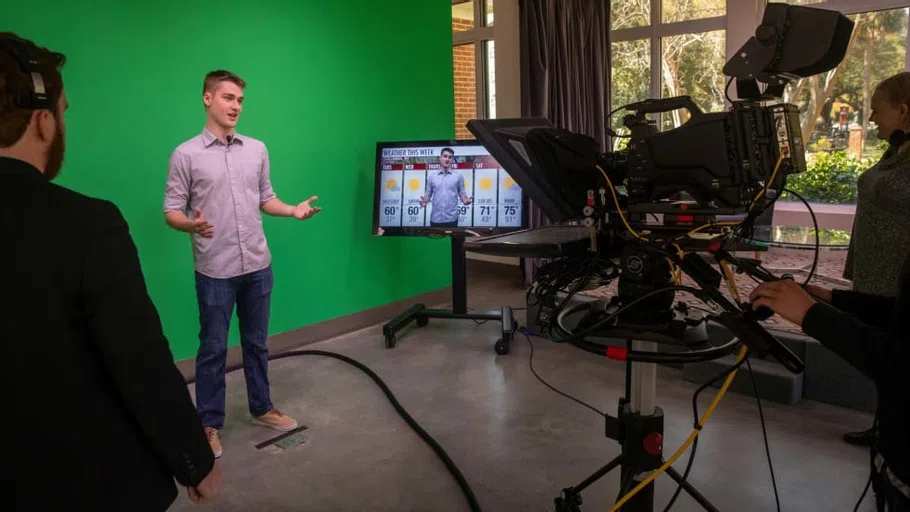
(697, 496)
(643, 501)
(613, 464)
(570, 500)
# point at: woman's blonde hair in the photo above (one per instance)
(896, 91)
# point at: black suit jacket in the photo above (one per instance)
(98, 416)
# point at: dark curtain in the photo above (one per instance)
(565, 68)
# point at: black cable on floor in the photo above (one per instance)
(706, 385)
(764, 433)
(481, 322)
(453, 469)
(545, 383)
(865, 490)
(871, 468)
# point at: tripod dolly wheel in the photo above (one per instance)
(422, 321)
(501, 347)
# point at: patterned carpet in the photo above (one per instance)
(778, 261)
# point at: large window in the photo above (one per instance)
(688, 37)
(664, 48)
(835, 106)
(834, 112)
(473, 60)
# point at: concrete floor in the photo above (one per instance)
(517, 442)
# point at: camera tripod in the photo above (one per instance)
(639, 430)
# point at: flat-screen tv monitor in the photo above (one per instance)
(424, 187)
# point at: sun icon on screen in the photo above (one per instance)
(414, 184)
(509, 183)
(392, 185)
(486, 183)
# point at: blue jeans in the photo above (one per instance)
(251, 293)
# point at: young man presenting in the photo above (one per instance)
(223, 179)
(444, 189)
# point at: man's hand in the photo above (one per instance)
(467, 200)
(819, 292)
(786, 298)
(423, 201)
(202, 226)
(305, 210)
(208, 488)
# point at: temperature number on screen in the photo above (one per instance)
(510, 210)
(413, 210)
(486, 210)
(463, 209)
(390, 210)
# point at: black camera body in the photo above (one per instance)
(719, 161)
(715, 164)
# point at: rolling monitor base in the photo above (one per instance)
(420, 314)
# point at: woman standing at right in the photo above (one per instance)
(881, 227)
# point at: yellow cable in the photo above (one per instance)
(682, 449)
(731, 282)
(763, 191)
(618, 208)
(710, 224)
(780, 159)
(677, 277)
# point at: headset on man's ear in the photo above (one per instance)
(37, 98)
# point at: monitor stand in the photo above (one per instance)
(422, 314)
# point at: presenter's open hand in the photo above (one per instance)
(469, 201)
(305, 210)
(207, 489)
(201, 226)
(786, 298)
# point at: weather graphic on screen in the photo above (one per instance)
(440, 186)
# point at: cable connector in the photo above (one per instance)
(617, 353)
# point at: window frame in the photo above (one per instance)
(479, 35)
(736, 32)
(656, 31)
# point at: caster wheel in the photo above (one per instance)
(422, 321)
(501, 347)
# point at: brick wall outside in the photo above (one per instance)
(465, 82)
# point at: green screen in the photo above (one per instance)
(325, 82)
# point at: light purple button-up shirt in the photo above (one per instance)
(227, 182)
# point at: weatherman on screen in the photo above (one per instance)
(444, 188)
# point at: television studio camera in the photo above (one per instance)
(671, 203)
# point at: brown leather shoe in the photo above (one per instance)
(277, 420)
(214, 441)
